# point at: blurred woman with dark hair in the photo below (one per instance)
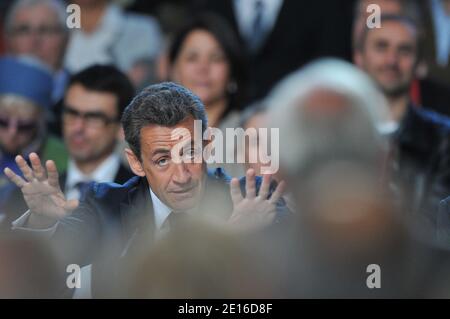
(205, 57)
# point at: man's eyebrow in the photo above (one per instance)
(160, 151)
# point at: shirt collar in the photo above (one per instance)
(161, 210)
(105, 172)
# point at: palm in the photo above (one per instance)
(40, 188)
(251, 211)
(44, 199)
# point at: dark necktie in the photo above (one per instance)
(257, 35)
(83, 187)
(175, 220)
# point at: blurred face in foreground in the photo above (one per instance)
(389, 56)
(202, 67)
(178, 185)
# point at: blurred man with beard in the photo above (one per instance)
(421, 147)
(331, 118)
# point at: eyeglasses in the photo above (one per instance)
(92, 119)
(24, 127)
(43, 30)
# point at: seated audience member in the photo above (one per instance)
(426, 89)
(332, 155)
(204, 56)
(279, 36)
(420, 137)
(38, 28)
(172, 184)
(25, 96)
(109, 35)
(93, 105)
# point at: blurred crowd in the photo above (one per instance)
(364, 139)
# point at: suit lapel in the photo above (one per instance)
(123, 175)
(137, 215)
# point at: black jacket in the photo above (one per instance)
(422, 162)
(443, 223)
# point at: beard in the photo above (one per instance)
(395, 90)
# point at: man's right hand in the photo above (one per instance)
(41, 190)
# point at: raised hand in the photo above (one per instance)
(40, 188)
(251, 211)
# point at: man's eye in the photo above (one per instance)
(162, 162)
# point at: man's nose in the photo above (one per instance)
(12, 129)
(392, 58)
(182, 175)
(78, 124)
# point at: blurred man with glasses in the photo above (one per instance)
(92, 108)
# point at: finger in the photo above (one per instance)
(39, 171)
(71, 204)
(250, 188)
(264, 189)
(24, 168)
(52, 172)
(276, 195)
(235, 191)
(13, 177)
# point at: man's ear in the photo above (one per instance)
(135, 163)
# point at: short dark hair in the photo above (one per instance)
(403, 19)
(165, 104)
(229, 42)
(106, 79)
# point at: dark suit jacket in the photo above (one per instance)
(437, 72)
(303, 31)
(111, 218)
(16, 206)
(435, 95)
(443, 223)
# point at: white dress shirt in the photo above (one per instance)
(105, 173)
(160, 210)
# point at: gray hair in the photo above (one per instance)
(165, 104)
(56, 5)
(356, 133)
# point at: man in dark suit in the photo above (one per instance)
(280, 36)
(93, 104)
(111, 219)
